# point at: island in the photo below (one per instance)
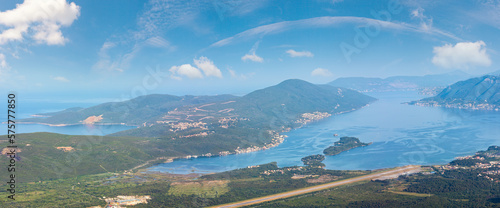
(314, 160)
(344, 144)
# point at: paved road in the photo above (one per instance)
(398, 171)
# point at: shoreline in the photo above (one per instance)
(461, 106)
(280, 139)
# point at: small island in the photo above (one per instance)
(314, 161)
(344, 144)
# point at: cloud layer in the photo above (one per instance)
(44, 18)
(461, 55)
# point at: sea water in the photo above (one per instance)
(401, 134)
(27, 108)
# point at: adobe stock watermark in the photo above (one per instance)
(419, 150)
(362, 38)
(150, 82)
(224, 7)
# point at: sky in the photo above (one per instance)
(114, 49)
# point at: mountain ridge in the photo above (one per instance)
(286, 99)
(397, 83)
(479, 93)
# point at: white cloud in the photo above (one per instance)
(251, 54)
(425, 22)
(252, 57)
(236, 7)
(203, 63)
(121, 61)
(240, 76)
(40, 19)
(330, 1)
(208, 67)
(162, 15)
(488, 12)
(60, 79)
(186, 70)
(6, 73)
(418, 13)
(3, 68)
(232, 72)
(321, 72)
(3, 63)
(105, 61)
(324, 22)
(159, 42)
(294, 53)
(461, 55)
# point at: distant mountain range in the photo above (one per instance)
(475, 93)
(399, 83)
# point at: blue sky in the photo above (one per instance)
(120, 49)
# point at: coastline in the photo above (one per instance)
(278, 139)
(464, 106)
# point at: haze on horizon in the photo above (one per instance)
(90, 49)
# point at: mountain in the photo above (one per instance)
(281, 103)
(397, 83)
(131, 112)
(476, 93)
(495, 73)
(273, 108)
(217, 125)
(174, 127)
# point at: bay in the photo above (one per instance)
(401, 135)
(26, 108)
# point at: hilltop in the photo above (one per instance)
(476, 93)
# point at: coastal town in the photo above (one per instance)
(310, 117)
(469, 105)
(275, 141)
(486, 162)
